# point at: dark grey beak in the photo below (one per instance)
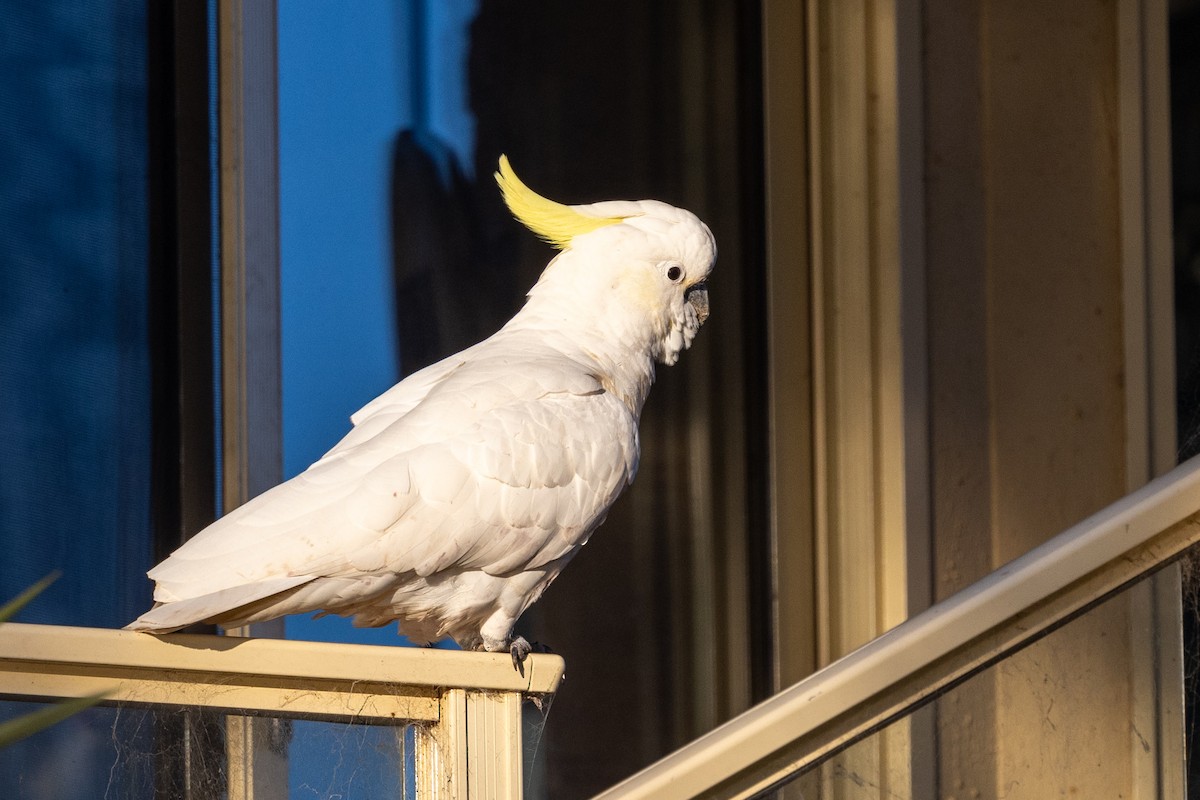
(697, 297)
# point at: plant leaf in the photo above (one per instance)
(10, 609)
(16, 729)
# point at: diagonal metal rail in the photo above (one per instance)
(881, 681)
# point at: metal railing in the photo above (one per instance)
(953, 640)
(466, 706)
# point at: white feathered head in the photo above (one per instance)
(649, 259)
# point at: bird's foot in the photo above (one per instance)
(520, 648)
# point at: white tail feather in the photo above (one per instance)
(178, 614)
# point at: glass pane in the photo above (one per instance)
(337, 760)
(1074, 715)
(397, 250)
(131, 753)
(75, 441)
(341, 100)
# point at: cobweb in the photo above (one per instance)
(130, 753)
(1188, 411)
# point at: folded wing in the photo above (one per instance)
(495, 469)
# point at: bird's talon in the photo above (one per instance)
(520, 650)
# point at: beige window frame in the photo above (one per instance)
(849, 405)
(844, 143)
(846, 334)
(466, 706)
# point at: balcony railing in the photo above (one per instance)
(899, 671)
(465, 708)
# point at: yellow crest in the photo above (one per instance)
(556, 223)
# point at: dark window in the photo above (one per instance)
(106, 328)
(74, 354)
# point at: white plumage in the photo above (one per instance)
(462, 492)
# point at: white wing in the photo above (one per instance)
(498, 465)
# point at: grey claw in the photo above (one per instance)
(520, 650)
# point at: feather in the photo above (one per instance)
(554, 222)
(459, 494)
(181, 613)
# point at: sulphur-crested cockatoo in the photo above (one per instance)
(462, 492)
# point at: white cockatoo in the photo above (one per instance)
(462, 492)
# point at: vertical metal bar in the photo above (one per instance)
(474, 750)
(494, 759)
(789, 344)
(441, 757)
(1156, 629)
(250, 324)
(180, 186)
(866, 158)
(250, 319)
(1170, 696)
(913, 761)
(188, 761)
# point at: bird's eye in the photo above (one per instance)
(674, 272)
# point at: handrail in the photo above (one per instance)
(467, 705)
(948, 643)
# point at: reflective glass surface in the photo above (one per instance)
(75, 366)
(130, 753)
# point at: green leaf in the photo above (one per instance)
(16, 729)
(10, 609)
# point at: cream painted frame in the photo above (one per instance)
(836, 210)
(1147, 276)
(847, 394)
(844, 143)
(251, 379)
(467, 705)
(867, 295)
(869, 404)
